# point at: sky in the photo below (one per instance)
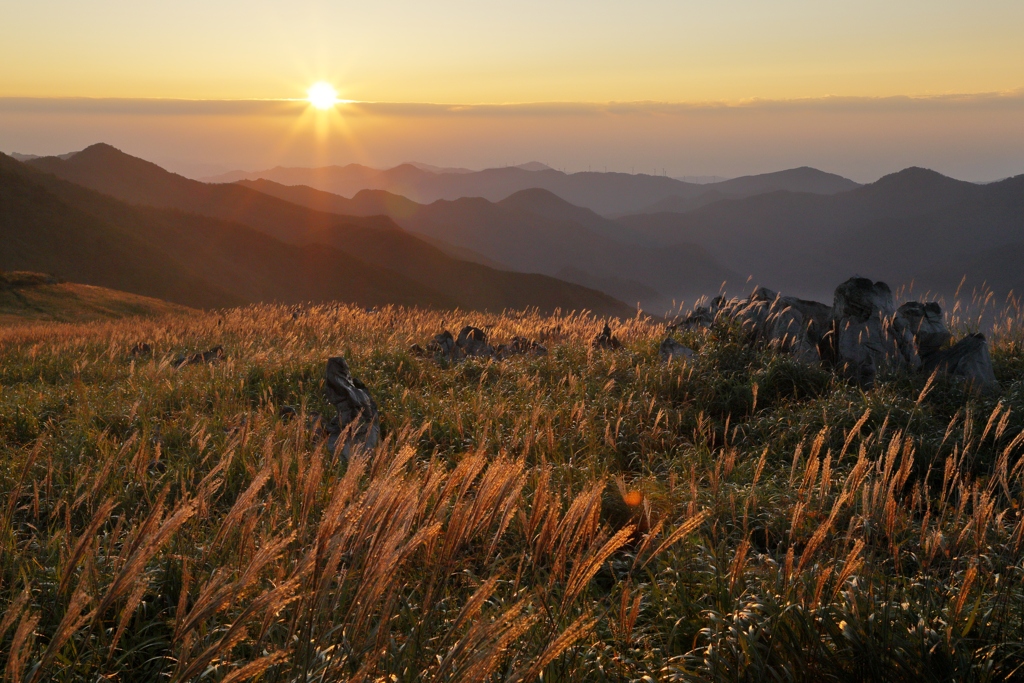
(694, 88)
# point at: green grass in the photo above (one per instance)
(176, 524)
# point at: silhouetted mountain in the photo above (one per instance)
(904, 225)
(804, 179)
(609, 194)
(439, 169)
(376, 240)
(43, 232)
(54, 226)
(605, 193)
(534, 230)
(533, 166)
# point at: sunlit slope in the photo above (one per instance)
(33, 297)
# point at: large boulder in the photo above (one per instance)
(672, 350)
(472, 341)
(789, 324)
(927, 326)
(357, 420)
(443, 344)
(968, 359)
(868, 334)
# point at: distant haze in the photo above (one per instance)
(970, 137)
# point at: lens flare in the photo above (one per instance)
(322, 95)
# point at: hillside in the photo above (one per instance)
(376, 250)
(905, 225)
(33, 297)
(50, 225)
(41, 231)
(609, 194)
(536, 231)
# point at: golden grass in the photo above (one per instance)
(588, 515)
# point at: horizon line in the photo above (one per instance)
(737, 103)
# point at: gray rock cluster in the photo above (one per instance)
(861, 335)
(357, 423)
(868, 334)
(472, 343)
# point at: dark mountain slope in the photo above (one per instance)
(537, 231)
(55, 226)
(41, 232)
(804, 179)
(903, 225)
(376, 240)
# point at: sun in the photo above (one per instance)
(322, 95)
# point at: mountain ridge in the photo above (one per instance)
(375, 240)
(903, 225)
(606, 193)
(536, 230)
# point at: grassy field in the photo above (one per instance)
(587, 515)
(37, 297)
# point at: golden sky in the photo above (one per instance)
(861, 88)
(461, 51)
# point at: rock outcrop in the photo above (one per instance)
(861, 335)
(927, 326)
(472, 342)
(868, 335)
(968, 359)
(606, 340)
(521, 346)
(357, 423)
(786, 323)
(672, 350)
(443, 345)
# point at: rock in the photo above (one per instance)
(606, 340)
(969, 359)
(927, 326)
(521, 346)
(472, 341)
(214, 355)
(141, 350)
(671, 349)
(357, 419)
(789, 324)
(868, 335)
(444, 345)
(701, 316)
